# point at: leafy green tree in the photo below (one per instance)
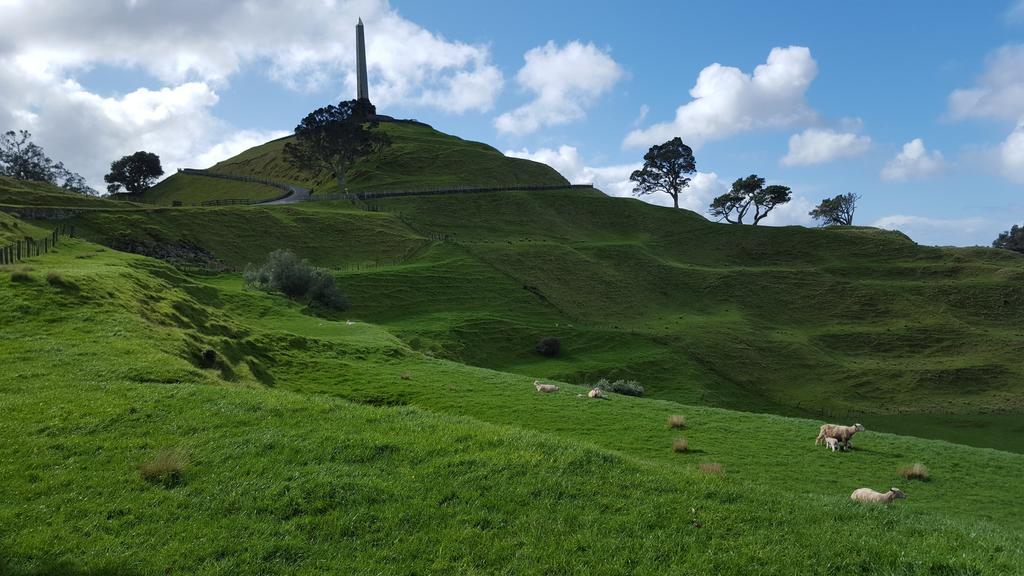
(836, 211)
(665, 169)
(1013, 239)
(23, 159)
(136, 172)
(333, 137)
(747, 193)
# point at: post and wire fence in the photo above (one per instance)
(29, 247)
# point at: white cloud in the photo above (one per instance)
(998, 93)
(793, 212)
(962, 231)
(725, 100)
(1011, 154)
(818, 146)
(235, 144)
(564, 80)
(914, 161)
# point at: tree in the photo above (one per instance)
(1013, 239)
(837, 211)
(136, 172)
(332, 138)
(23, 159)
(665, 169)
(747, 193)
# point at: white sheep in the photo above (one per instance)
(596, 393)
(544, 387)
(839, 432)
(832, 443)
(871, 496)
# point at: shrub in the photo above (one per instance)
(677, 421)
(166, 468)
(680, 444)
(917, 471)
(298, 279)
(549, 347)
(626, 387)
(710, 467)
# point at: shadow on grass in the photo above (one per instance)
(62, 568)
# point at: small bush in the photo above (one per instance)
(710, 467)
(166, 468)
(298, 279)
(917, 471)
(680, 444)
(625, 387)
(677, 421)
(549, 347)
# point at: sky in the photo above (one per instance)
(917, 106)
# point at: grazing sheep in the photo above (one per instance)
(839, 432)
(869, 495)
(596, 393)
(832, 443)
(544, 387)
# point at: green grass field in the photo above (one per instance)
(192, 189)
(308, 452)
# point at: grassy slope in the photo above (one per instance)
(28, 193)
(494, 478)
(858, 322)
(419, 158)
(190, 189)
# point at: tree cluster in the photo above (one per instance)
(836, 211)
(136, 172)
(1012, 239)
(25, 160)
(746, 194)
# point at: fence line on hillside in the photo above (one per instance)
(19, 250)
(238, 178)
(441, 191)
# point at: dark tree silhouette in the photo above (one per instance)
(332, 138)
(665, 170)
(837, 211)
(747, 193)
(136, 172)
(23, 159)
(1013, 239)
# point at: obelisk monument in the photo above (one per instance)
(362, 86)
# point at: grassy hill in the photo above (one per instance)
(318, 446)
(850, 324)
(419, 158)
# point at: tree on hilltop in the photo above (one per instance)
(25, 160)
(665, 170)
(333, 137)
(136, 172)
(837, 211)
(747, 193)
(1012, 239)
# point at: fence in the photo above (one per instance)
(239, 178)
(29, 247)
(440, 191)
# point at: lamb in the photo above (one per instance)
(869, 495)
(544, 387)
(839, 432)
(832, 443)
(596, 393)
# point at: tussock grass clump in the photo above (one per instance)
(54, 278)
(624, 387)
(710, 468)
(549, 347)
(166, 468)
(405, 376)
(915, 471)
(677, 421)
(680, 444)
(22, 275)
(297, 279)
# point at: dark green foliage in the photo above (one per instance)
(23, 159)
(299, 280)
(333, 137)
(665, 169)
(836, 211)
(136, 173)
(626, 387)
(1012, 239)
(549, 347)
(747, 193)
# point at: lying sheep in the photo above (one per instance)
(832, 443)
(869, 495)
(544, 387)
(596, 393)
(839, 432)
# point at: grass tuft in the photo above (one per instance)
(680, 444)
(167, 468)
(677, 421)
(916, 471)
(406, 376)
(22, 275)
(710, 468)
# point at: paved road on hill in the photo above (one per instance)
(297, 194)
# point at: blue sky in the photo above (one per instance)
(917, 106)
